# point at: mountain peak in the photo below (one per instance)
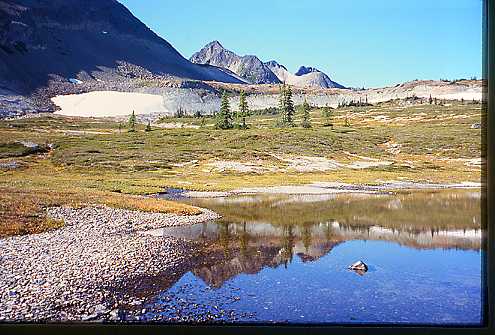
(305, 70)
(275, 64)
(249, 67)
(214, 45)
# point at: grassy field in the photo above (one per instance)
(93, 161)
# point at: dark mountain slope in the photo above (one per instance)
(41, 38)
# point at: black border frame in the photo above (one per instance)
(487, 212)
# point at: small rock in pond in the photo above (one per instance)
(359, 266)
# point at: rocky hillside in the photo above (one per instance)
(41, 41)
(304, 77)
(248, 67)
(254, 71)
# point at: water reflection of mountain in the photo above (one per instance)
(254, 259)
(232, 249)
(261, 231)
(263, 234)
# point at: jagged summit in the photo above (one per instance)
(252, 69)
(248, 67)
(275, 64)
(214, 44)
(305, 70)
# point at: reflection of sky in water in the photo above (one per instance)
(403, 285)
(422, 250)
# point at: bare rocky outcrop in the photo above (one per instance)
(253, 70)
(304, 77)
(248, 67)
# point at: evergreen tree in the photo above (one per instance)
(306, 237)
(286, 107)
(289, 108)
(328, 115)
(224, 118)
(281, 103)
(132, 122)
(430, 100)
(148, 127)
(306, 123)
(243, 111)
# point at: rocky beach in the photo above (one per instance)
(83, 271)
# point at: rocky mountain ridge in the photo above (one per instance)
(309, 77)
(254, 71)
(249, 67)
(63, 47)
(43, 40)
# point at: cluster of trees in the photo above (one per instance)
(180, 113)
(226, 119)
(435, 101)
(286, 110)
(131, 124)
(453, 81)
(355, 103)
(265, 111)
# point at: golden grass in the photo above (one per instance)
(111, 169)
(22, 211)
(149, 205)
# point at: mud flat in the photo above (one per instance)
(74, 273)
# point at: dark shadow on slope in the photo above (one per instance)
(65, 37)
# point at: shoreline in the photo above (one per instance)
(102, 261)
(321, 188)
(78, 272)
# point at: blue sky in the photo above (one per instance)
(370, 43)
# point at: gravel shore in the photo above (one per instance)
(74, 273)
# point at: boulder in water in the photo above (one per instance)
(359, 266)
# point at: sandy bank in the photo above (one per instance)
(108, 104)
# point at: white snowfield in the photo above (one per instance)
(108, 104)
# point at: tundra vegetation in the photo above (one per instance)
(80, 161)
